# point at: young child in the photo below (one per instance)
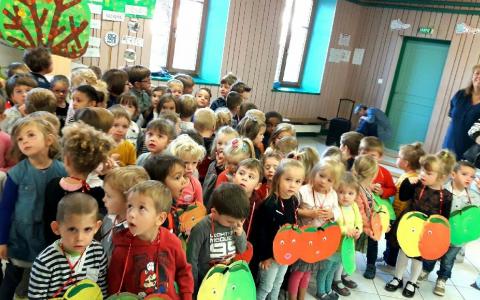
(237, 150)
(5, 143)
(349, 144)
(185, 148)
(245, 107)
(203, 97)
(61, 87)
(462, 177)
(204, 122)
(75, 256)
(175, 87)
(270, 162)
(159, 133)
(187, 81)
(219, 236)
(223, 116)
(409, 161)
(116, 184)
(309, 157)
(146, 257)
(225, 84)
(130, 104)
(233, 101)
(428, 196)
(117, 84)
(187, 106)
(21, 207)
(278, 209)
(83, 150)
(318, 204)
(39, 61)
(40, 99)
(282, 130)
(242, 88)
(252, 128)
(351, 225)
(139, 78)
(152, 112)
(84, 96)
(286, 145)
(167, 103)
(383, 186)
(124, 152)
(273, 118)
(17, 88)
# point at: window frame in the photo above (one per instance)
(172, 39)
(305, 49)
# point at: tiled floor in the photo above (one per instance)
(458, 287)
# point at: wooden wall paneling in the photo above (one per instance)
(365, 43)
(374, 57)
(257, 74)
(253, 40)
(444, 24)
(237, 35)
(147, 43)
(105, 50)
(436, 24)
(120, 49)
(114, 63)
(246, 37)
(230, 27)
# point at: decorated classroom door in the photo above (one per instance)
(414, 89)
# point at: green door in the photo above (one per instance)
(414, 89)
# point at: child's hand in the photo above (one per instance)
(326, 214)
(3, 251)
(413, 180)
(477, 182)
(265, 265)
(22, 109)
(238, 228)
(377, 189)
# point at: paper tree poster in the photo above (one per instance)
(132, 8)
(60, 25)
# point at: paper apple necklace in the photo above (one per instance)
(373, 213)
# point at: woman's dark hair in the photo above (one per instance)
(159, 166)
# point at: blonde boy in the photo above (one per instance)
(175, 87)
(187, 107)
(17, 88)
(204, 122)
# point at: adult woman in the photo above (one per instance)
(464, 111)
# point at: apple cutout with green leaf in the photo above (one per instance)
(124, 296)
(461, 227)
(348, 254)
(84, 289)
(320, 243)
(435, 238)
(409, 232)
(285, 244)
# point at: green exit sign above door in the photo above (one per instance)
(425, 30)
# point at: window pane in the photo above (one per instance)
(287, 13)
(187, 35)
(162, 19)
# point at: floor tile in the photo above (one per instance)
(469, 293)
(381, 280)
(464, 274)
(364, 285)
(451, 292)
(358, 295)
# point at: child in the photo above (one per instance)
(187, 82)
(21, 207)
(218, 237)
(203, 97)
(223, 116)
(282, 130)
(116, 184)
(75, 256)
(462, 176)
(252, 128)
(225, 84)
(185, 148)
(139, 78)
(152, 112)
(17, 68)
(124, 152)
(167, 103)
(39, 61)
(99, 118)
(286, 145)
(204, 122)
(428, 196)
(40, 99)
(351, 225)
(237, 150)
(318, 204)
(278, 209)
(61, 87)
(273, 118)
(117, 84)
(234, 100)
(349, 143)
(383, 186)
(83, 149)
(309, 157)
(409, 161)
(84, 96)
(159, 133)
(175, 87)
(245, 107)
(186, 108)
(130, 104)
(242, 88)
(270, 162)
(5, 143)
(147, 258)
(17, 88)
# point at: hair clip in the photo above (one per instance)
(235, 143)
(293, 155)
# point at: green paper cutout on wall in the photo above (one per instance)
(348, 255)
(62, 26)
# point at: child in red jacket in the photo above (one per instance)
(147, 258)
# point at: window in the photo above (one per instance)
(297, 22)
(177, 35)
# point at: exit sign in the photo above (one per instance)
(425, 30)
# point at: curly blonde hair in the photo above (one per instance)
(85, 147)
(124, 178)
(184, 145)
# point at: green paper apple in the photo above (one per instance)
(388, 206)
(348, 255)
(124, 296)
(464, 225)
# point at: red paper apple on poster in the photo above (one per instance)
(435, 238)
(245, 255)
(320, 243)
(285, 244)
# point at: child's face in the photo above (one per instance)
(346, 195)
(119, 129)
(290, 182)
(156, 98)
(156, 141)
(143, 219)
(31, 141)
(203, 99)
(19, 94)
(463, 177)
(282, 135)
(226, 220)
(81, 100)
(131, 110)
(401, 162)
(245, 96)
(269, 167)
(272, 123)
(168, 106)
(77, 231)
(224, 88)
(373, 153)
(115, 201)
(221, 142)
(176, 180)
(323, 182)
(429, 178)
(231, 164)
(191, 164)
(60, 90)
(146, 84)
(247, 179)
(176, 91)
(259, 138)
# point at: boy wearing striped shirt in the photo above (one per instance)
(75, 256)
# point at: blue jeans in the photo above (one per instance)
(446, 263)
(326, 274)
(270, 281)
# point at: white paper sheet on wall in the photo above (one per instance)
(132, 41)
(95, 24)
(344, 39)
(334, 55)
(94, 42)
(345, 55)
(95, 9)
(113, 16)
(92, 52)
(358, 56)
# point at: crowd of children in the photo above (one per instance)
(99, 171)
